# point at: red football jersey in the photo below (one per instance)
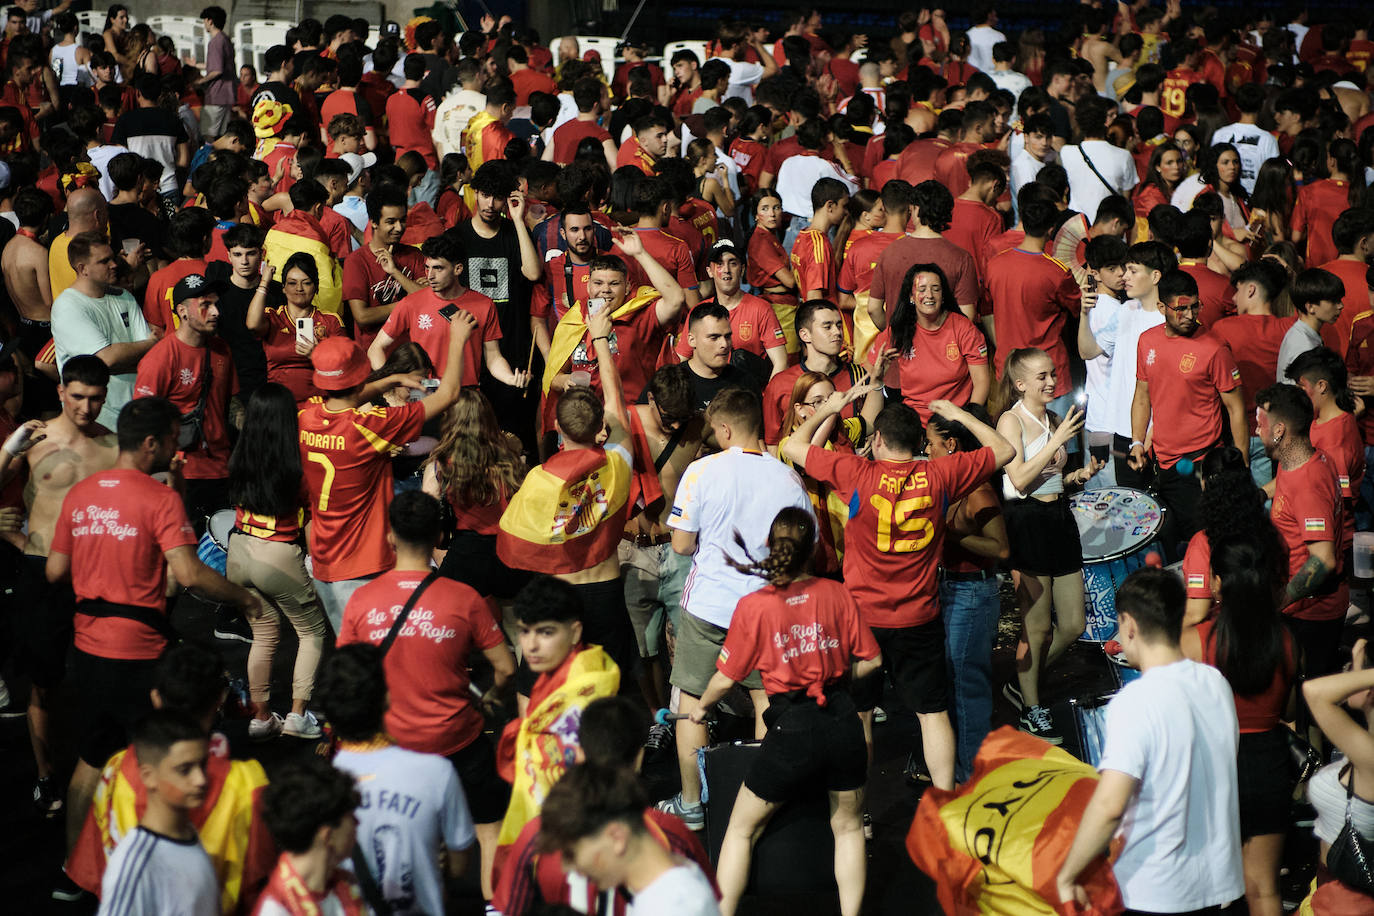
(1315, 212)
(753, 327)
(1308, 509)
(1340, 439)
(672, 254)
(1031, 294)
(937, 366)
(157, 298)
(284, 365)
(1186, 376)
(174, 370)
(1254, 341)
(896, 533)
(417, 318)
(571, 133)
(1197, 566)
(346, 455)
(813, 264)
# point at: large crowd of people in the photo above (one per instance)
(533, 388)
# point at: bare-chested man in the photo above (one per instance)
(24, 264)
(1096, 49)
(673, 428)
(58, 454)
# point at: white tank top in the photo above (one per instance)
(1050, 481)
(64, 63)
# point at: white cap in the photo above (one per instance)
(357, 163)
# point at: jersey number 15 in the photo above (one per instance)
(901, 516)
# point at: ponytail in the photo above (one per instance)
(1348, 163)
(791, 544)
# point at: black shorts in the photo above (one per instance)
(472, 560)
(112, 694)
(809, 746)
(605, 623)
(1043, 537)
(914, 658)
(488, 794)
(43, 626)
(1264, 777)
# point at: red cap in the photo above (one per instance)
(339, 364)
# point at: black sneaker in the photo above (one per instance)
(231, 625)
(660, 737)
(47, 799)
(1036, 721)
(67, 890)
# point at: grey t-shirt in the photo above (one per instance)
(1299, 339)
(82, 325)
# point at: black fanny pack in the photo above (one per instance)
(144, 615)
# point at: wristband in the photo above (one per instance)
(1135, 442)
(14, 445)
(602, 337)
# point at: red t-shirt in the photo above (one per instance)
(173, 370)
(410, 121)
(1254, 341)
(1315, 212)
(280, 156)
(753, 327)
(1214, 291)
(899, 257)
(1359, 360)
(1186, 376)
(529, 80)
(691, 236)
(1340, 439)
(813, 264)
(937, 366)
(1031, 294)
(860, 260)
(750, 156)
(672, 254)
(800, 636)
(430, 706)
(346, 455)
(892, 574)
(973, 229)
(116, 526)
(157, 298)
(1355, 303)
(342, 101)
(951, 168)
(632, 152)
(1308, 509)
(284, 365)
(364, 279)
(777, 397)
(1197, 566)
(917, 162)
(1263, 711)
(766, 257)
(568, 135)
(417, 318)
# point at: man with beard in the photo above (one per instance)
(118, 533)
(59, 453)
(379, 274)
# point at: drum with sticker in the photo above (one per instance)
(1118, 527)
(213, 548)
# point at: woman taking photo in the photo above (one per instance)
(941, 355)
(291, 330)
(267, 555)
(712, 185)
(1219, 171)
(809, 709)
(1162, 176)
(1248, 643)
(767, 268)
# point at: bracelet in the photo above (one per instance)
(1135, 442)
(602, 337)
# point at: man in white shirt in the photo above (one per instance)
(411, 802)
(1102, 307)
(1168, 769)
(1037, 151)
(733, 493)
(734, 39)
(1096, 168)
(459, 106)
(982, 36)
(1003, 57)
(1253, 143)
(95, 316)
(799, 174)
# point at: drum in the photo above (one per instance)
(1090, 727)
(213, 549)
(1117, 527)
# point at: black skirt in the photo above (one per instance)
(1043, 537)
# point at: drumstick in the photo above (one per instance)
(663, 716)
(529, 364)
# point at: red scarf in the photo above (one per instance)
(288, 889)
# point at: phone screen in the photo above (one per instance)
(448, 311)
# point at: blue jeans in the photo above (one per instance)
(970, 609)
(334, 598)
(794, 229)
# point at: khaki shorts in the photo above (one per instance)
(698, 645)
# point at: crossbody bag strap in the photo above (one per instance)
(367, 883)
(405, 611)
(204, 383)
(1089, 163)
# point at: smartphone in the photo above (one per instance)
(595, 305)
(1091, 284)
(448, 311)
(305, 329)
(429, 386)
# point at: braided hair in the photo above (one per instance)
(791, 544)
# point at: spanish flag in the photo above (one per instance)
(535, 751)
(996, 844)
(298, 231)
(569, 513)
(572, 327)
(229, 823)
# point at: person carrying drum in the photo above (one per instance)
(803, 635)
(1045, 548)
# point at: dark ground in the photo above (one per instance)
(31, 848)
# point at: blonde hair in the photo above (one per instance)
(1013, 371)
(475, 461)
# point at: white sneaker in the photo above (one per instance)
(262, 729)
(302, 726)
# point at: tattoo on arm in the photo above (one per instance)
(1307, 580)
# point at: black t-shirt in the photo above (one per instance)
(493, 269)
(1060, 120)
(299, 61)
(704, 389)
(131, 221)
(250, 362)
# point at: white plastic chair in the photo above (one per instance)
(252, 38)
(601, 44)
(696, 47)
(186, 32)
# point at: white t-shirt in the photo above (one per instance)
(680, 891)
(981, 38)
(1118, 342)
(798, 175)
(1010, 80)
(1102, 320)
(152, 873)
(411, 803)
(81, 325)
(719, 495)
(1299, 339)
(1254, 144)
(1024, 168)
(744, 76)
(1086, 189)
(452, 116)
(1174, 730)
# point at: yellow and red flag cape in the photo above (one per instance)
(535, 751)
(995, 844)
(572, 327)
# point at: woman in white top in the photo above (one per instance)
(68, 56)
(1045, 550)
(1219, 171)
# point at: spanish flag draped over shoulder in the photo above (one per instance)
(229, 823)
(996, 843)
(569, 513)
(535, 751)
(298, 231)
(573, 326)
